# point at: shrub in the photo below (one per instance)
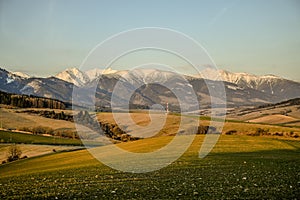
(42, 130)
(206, 129)
(231, 132)
(125, 138)
(278, 134)
(25, 129)
(66, 133)
(202, 129)
(261, 131)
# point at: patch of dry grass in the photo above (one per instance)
(274, 119)
(11, 119)
(30, 150)
(172, 125)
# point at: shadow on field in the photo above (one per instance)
(272, 174)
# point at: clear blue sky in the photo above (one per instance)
(44, 37)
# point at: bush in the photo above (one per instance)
(26, 129)
(261, 131)
(42, 130)
(66, 133)
(278, 134)
(231, 132)
(125, 138)
(202, 129)
(206, 129)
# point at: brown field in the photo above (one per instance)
(142, 119)
(31, 150)
(172, 124)
(243, 114)
(274, 119)
(12, 120)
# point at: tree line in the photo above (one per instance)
(26, 101)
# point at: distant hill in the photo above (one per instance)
(290, 102)
(284, 113)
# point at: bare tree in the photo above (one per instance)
(14, 153)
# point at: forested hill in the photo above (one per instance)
(25, 101)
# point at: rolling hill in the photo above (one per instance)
(238, 167)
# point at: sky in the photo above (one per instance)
(44, 37)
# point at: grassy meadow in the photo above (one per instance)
(238, 167)
(23, 138)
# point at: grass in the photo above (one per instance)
(15, 137)
(239, 167)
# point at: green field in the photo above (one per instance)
(23, 138)
(238, 167)
(15, 137)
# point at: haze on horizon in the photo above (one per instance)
(44, 37)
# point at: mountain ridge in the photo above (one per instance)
(241, 88)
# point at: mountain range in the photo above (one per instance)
(241, 88)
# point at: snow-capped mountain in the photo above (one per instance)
(145, 76)
(45, 87)
(241, 88)
(223, 75)
(48, 87)
(73, 75)
(269, 84)
(241, 79)
(81, 78)
(94, 73)
(9, 81)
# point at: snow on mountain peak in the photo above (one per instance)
(21, 74)
(271, 76)
(94, 73)
(109, 71)
(73, 75)
(146, 75)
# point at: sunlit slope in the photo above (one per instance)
(12, 119)
(171, 125)
(82, 158)
(239, 167)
